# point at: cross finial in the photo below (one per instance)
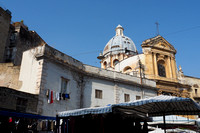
(157, 28)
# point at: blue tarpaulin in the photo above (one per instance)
(25, 115)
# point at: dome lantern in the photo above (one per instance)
(119, 44)
(119, 30)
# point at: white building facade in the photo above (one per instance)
(64, 83)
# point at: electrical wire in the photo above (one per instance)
(192, 28)
(196, 27)
(88, 52)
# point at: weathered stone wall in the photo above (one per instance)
(15, 38)
(21, 40)
(52, 81)
(117, 76)
(18, 101)
(43, 68)
(60, 57)
(195, 87)
(26, 39)
(31, 72)
(5, 19)
(9, 76)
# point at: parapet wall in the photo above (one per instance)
(117, 76)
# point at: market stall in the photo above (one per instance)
(124, 116)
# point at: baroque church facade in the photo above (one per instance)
(157, 62)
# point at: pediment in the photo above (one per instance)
(164, 45)
(158, 42)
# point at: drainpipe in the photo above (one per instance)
(142, 93)
(82, 85)
(140, 66)
(164, 122)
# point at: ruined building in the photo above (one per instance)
(15, 39)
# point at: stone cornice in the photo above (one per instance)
(48, 53)
(155, 40)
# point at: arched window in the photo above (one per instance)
(127, 69)
(196, 86)
(161, 68)
(105, 65)
(167, 93)
(115, 62)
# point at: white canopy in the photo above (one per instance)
(154, 106)
(172, 119)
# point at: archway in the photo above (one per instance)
(127, 69)
(105, 65)
(115, 62)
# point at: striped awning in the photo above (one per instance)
(84, 111)
(154, 106)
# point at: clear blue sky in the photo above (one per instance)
(82, 28)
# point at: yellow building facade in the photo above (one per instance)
(161, 66)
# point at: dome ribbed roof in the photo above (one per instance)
(119, 43)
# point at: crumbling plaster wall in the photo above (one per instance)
(195, 87)
(26, 39)
(117, 76)
(31, 71)
(9, 76)
(53, 80)
(18, 101)
(43, 68)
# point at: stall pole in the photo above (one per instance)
(57, 123)
(63, 126)
(164, 122)
(67, 126)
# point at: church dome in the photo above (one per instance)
(120, 43)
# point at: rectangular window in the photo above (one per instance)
(98, 94)
(21, 104)
(138, 97)
(64, 83)
(126, 97)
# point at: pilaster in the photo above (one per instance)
(174, 67)
(155, 65)
(116, 93)
(169, 67)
